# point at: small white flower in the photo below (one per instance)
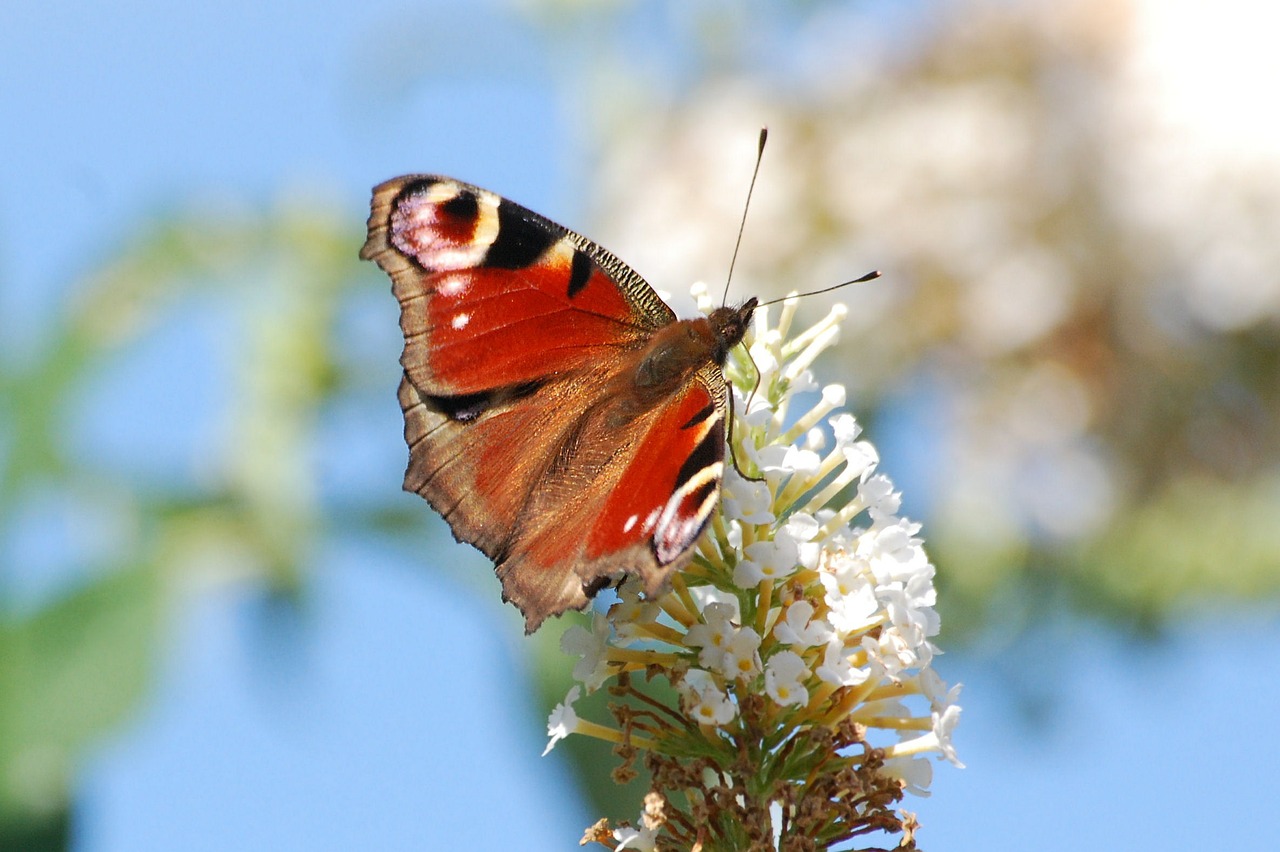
(563, 721)
(834, 396)
(944, 724)
(913, 622)
(860, 458)
(877, 494)
(771, 459)
(937, 740)
(801, 381)
(713, 636)
(914, 772)
(745, 500)
(632, 613)
(895, 652)
(591, 646)
(755, 412)
(800, 461)
(741, 658)
(935, 689)
(836, 668)
(642, 839)
(850, 596)
(784, 678)
(797, 629)
(714, 602)
(893, 552)
(845, 429)
(707, 703)
(767, 560)
(803, 528)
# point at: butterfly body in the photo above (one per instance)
(558, 415)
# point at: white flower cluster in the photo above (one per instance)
(808, 588)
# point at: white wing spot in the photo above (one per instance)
(631, 522)
(454, 285)
(652, 519)
(460, 321)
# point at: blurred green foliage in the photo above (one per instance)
(77, 659)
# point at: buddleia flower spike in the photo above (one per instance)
(796, 648)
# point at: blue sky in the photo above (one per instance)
(395, 714)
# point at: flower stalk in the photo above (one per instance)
(797, 641)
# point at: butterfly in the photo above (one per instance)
(558, 415)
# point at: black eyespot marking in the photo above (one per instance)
(701, 415)
(579, 273)
(464, 206)
(521, 238)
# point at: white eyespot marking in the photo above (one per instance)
(460, 321)
(631, 522)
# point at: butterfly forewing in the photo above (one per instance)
(548, 418)
(492, 294)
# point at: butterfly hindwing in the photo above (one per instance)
(663, 479)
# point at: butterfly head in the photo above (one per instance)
(730, 325)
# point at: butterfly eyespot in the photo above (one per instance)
(441, 225)
(464, 207)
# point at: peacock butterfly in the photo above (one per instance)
(558, 415)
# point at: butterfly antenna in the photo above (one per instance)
(733, 455)
(870, 276)
(764, 137)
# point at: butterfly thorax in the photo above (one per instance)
(679, 349)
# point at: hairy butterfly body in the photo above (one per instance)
(558, 415)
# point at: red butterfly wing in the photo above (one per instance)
(492, 294)
(557, 414)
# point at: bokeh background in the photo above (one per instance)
(222, 625)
